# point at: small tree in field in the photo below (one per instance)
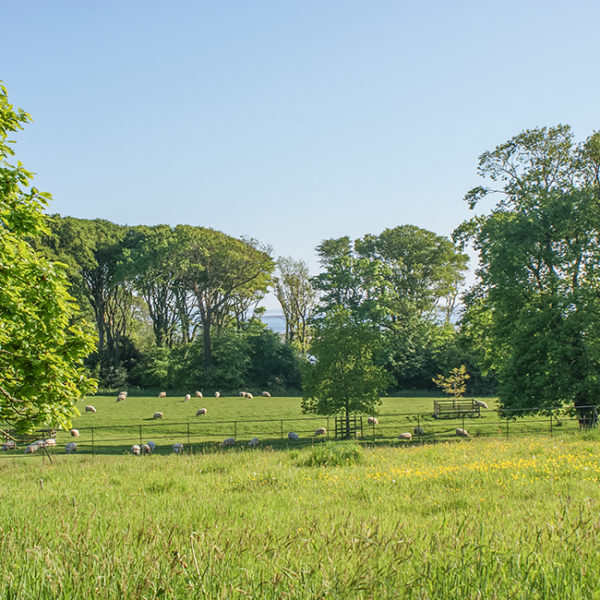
(41, 350)
(455, 384)
(343, 379)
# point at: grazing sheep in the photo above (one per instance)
(145, 449)
(217, 394)
(481, 403)
(152, 445)
(9, 445)
(178, 448)
(373, 421)
(201, 411)
(292, 435)
(266, 394)
(321, 431)
(40, 443)
(162, 394)
(157, 415)
(90, 408)
(121, 396)
(249, 396)
(50, 442)
(71, 448)
(405, 436)
(243, 394)
(419, 431)
(31, 449)
(75, 432)
(135, 449)
(198, 395)
(462, 432)
(228, 442)
(187, 397)
(124, 394)
(253, 442)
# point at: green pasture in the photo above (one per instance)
(117, 425)
(483, 518)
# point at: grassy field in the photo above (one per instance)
(477, 519)
(116, 426)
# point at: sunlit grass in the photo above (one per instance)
(473, 519)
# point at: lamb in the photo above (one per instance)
(419, 431)
(31, 449)
(217, 394)
(71, 448)
(292, 435)
(253, 442)
(135, 449)
(228, 442)
(152, 445)
(145, 449)
(321, 431)
(198, 395)
(162, 394)
(90, 408)
(266, 394)
(187, 397)
(405, 436)
(373, 421)
(462, 432)
(481, 403)
(201, 411)
(9, 445)
(178, 448)
(74, 432)
(157, 415)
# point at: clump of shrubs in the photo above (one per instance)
(329, 455)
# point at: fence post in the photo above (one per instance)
(507, 427)
(550, 424)
(188, 434)
(235, 429)
(281, 428)
(93, 447)
(141, 435)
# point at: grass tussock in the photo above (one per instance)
(330, 455)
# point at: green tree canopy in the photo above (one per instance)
(41, 349)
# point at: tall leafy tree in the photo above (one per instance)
(297, 299)
(41, 349)
(535, 311)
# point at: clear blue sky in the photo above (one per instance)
(288, 121)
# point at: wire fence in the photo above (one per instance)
(209, 435)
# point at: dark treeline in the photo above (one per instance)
(179, 307)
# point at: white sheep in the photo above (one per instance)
(321, 431)
(162, 394)
(217, 394)
(152, 445)
(90, 408)
(135, 449)
(157, 415)
(31, 449)
(71, 448)
(201, 411)
(266, 394)
(145, 449)
(481, 403)
(373, 421)
(9, 445)
(253, 442)
(419, 431)
(405, 436)
(249, 396)
(121, 396)
(198, 395)
(187, 397)
(40, 443)
(228, 442)
(124, 394)
(178, 448)
(50, 442)
(74, 432)
(292, 435)
(462, 432)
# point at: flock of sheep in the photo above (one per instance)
(177, 448)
